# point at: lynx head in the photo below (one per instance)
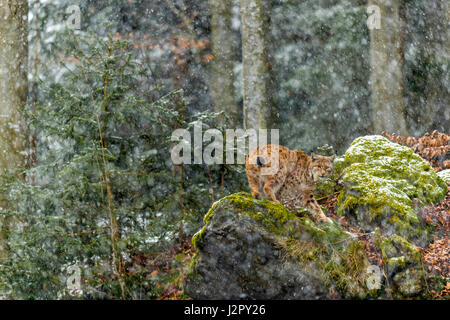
(321, 166)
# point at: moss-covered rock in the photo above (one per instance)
(384, 184)
(259, 249)
(399, 254)
(403, 266)
(272, 215)
(253, 249)
(240, 254)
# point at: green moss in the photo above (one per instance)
(273, 215)
(342, 264)
(397, 262)
(386, 177)
(337, 253)
(346, 268)
(301, 211)
(242, 200)
(403, 266)
(192, 271)
(396, 246)
(198, 237)
(339, 165)
(313, 231)
(276, 216)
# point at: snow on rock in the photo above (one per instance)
(384, 185)
(444, 175)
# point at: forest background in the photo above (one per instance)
(90, 196)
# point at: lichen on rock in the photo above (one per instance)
(384, 183)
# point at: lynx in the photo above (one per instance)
(294, 183)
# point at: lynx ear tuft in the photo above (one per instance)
(333, 157)
(314, 156)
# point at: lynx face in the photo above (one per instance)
(320, 167)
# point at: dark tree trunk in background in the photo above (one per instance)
(258, 108)
(386, 60)
(438, 55)
(270, 45)
(14, 138)
(221, 73)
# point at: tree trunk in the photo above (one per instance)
(14, 138)
(221, 73)
(437, 14)
(386, 60)
(256, 67)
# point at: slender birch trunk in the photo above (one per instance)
(256, 66)
(221, 72)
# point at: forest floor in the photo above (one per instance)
(169, 267)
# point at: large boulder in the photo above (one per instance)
(253, 249)
(241, 256)
(385, 186)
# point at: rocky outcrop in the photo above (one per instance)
(385, 185)
(253, 249)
